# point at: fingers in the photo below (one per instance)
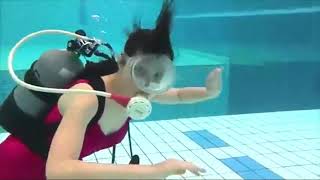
(194, 169)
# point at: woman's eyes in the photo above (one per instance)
(140, 71)
(157, 76)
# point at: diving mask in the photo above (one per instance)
(152, 74)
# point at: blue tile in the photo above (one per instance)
(235, 165)
(201, 141)
(249, 175)
(268, 174)
(250, 163)
(212, 138)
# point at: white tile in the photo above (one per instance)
(172, 155)
(253, 139)
(303, 146)
(145, 130)
(307, 156)
(284, 136)
(144, 160)
(285, 173)
(313, 168)
(157, 128)
(303, 173)
(232, 151)
(260, 149)
(125, 141)
(265, 161)
(294, 158)
(218, 153)
(189, 126)
(189, 156)
(270, 137)
(191, 145)
(174, 177)
(232, 141)
(156, 158)
(120, 151)
(259, 138)
(280, 160)
(213, 176)
(315, 153)
(215, 126)
(90, 158)
(225, 138)
(122, 160)
(178, 146)
(313, 145)
(155, 139)
(180, 126)
(188, 175)
(140, 139)
(134, 131)
(168, 127)
(103, 154)
(219, 167)
(3, 137)
(204, 155)
(168, 138)
(205, 165)
(194, 177)
(274, 148)
(232, 175)
(180, 136)
(163, 147)
(148, 148)
(203, 125)
(288, 145)
(104, 161)
(135, 150)
(244, 139)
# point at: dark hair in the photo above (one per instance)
(147, 41)
(153, 41)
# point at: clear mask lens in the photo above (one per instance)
(153, 74)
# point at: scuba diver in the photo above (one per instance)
(50, 132)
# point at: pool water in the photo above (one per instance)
(264, 125)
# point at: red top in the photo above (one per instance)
(94, 140)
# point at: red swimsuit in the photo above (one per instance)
(18, 162)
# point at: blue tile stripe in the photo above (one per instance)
(201, 141)
(212, 138)
(249, 169)
(267, 174)
(250, 163)
(205, 139)
(235, 165)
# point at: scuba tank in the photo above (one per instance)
(23, 111)
(55, 68)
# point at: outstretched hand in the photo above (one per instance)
(214, 82)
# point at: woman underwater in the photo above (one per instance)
(87, 123)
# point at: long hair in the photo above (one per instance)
(146, 41)
(153, 41)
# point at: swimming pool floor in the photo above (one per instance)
(278, 145)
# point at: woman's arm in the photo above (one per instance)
(63, 163)
(193, 94)
(186, 95)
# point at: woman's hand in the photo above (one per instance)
(177, 167)
(214, 82)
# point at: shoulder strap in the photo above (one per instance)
(97, 84)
